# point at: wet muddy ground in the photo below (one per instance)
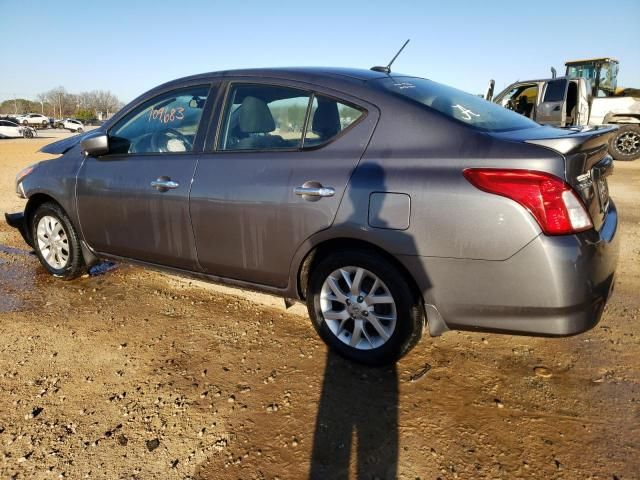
(132, 374)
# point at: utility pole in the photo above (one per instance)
(15, 105)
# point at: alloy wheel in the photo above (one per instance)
(53, 242)
(358, 308)
(628, 143)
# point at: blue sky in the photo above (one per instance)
(130, 46)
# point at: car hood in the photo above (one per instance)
(64, 145)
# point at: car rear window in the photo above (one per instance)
(461, 106)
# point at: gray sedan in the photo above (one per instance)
(386, 202)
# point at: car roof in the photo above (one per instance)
(537, 80)
(292, 72)
(324, 75)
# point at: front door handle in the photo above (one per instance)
(314, 191)
(164, 183)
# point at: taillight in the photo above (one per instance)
(551, 201)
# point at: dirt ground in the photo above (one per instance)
(133, 374)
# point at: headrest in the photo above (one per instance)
(255, 116)
(326, 119)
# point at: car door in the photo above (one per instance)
(552, 109)
(263, 190)
(584, 100)
(134, 201)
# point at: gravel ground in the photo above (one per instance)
(134, 374)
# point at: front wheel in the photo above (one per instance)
(625, 144)
(364, 307)
(80, 130)
(56, 242)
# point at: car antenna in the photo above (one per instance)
(387, 69)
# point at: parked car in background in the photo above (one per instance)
(71, 124)
(399, 200)
(34, 120)
(588, 95)
(9, 129)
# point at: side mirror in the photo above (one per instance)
(95, 145)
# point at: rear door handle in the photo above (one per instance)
(164, 183)
(314, 191)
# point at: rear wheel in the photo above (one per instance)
(625, 144)
(363, 307)
(56, 242)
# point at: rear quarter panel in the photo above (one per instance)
(423, 154)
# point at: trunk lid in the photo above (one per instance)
(587, 163)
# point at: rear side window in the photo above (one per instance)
(327, 119)
(461, 106)
(269, 117)
(166, 124)
(264, 117)
(555, 91)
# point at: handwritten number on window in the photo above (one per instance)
(165, 115)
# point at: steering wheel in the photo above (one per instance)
(161, 138)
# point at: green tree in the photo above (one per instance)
(85, 115)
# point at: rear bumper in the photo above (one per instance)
(19, 221)
(555, 286)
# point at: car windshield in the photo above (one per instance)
(461, 106)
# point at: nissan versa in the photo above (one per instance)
(386, 202)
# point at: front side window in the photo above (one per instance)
(555, 90)
(269, 117)
(461, 106)
(166, 124)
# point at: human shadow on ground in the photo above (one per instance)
(359, 404)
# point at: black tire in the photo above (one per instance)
(25, 123)
(28, 133)
(80, 130)
(44, 124)
(625, 144)
(75, 265)
(408, 305)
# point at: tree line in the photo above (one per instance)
(58, 103)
